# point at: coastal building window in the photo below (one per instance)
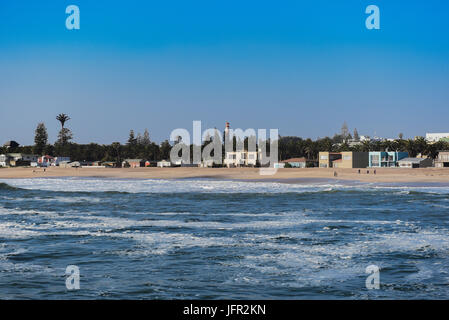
(251, 156)
(375, 160)
(347, 158)
(323, 157)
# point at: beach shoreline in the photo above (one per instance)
(383, 175)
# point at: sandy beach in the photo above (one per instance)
(387, 175)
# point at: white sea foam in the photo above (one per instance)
(199, 185)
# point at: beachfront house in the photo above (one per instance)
(207, 163)
(64, 164)
(150, 163)
(45, 161)
(294, 162)
(75, 164)
(279, 165)
(326, 159)
(4, 160)
(110, 164)
(350, 159)
(133, 163)
(20, 159)
(163, 163)
(241, 159)
(442, 161)
(57, 160)
(379, 159)
(415, 163)
(345, 159)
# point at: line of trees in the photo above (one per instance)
(141, 147)
(291, 147)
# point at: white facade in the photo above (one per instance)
(29, 157)
(435, 137)
(365, 138)
(164, 163)
(415, 163)
(11, 159)
(4, 160)
(241, 158)
(23, 157)
(44, 161)
(57, 160)
(207, 163)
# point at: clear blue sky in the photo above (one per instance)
(303, 67)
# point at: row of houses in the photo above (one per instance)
(347, 159)
(142, 163)
(379, 159)
(21, 159)
(232, 159)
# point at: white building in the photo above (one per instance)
(435, 137)
(415, 163)
(279, 165)
(44, 161)
(15, 159)
(241, 158)
(4, 160)
(57, 160)
(207, 163)
(163, 163)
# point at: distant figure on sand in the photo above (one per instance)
(367, 171)
(335, 173)
(374, 171)
(359, 171)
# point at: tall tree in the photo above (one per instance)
(40, 139)
(165, 150)
(62, 118)
(116, 152)
(146, 138)
(64, 136)
(132, 141)
(139, 139)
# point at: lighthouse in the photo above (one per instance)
(226, 135)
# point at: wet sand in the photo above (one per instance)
(387, 175)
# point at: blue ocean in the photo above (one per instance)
(212, 239)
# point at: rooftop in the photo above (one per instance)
(295, 160)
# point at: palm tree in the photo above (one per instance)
(366, 146)
(63, 118)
